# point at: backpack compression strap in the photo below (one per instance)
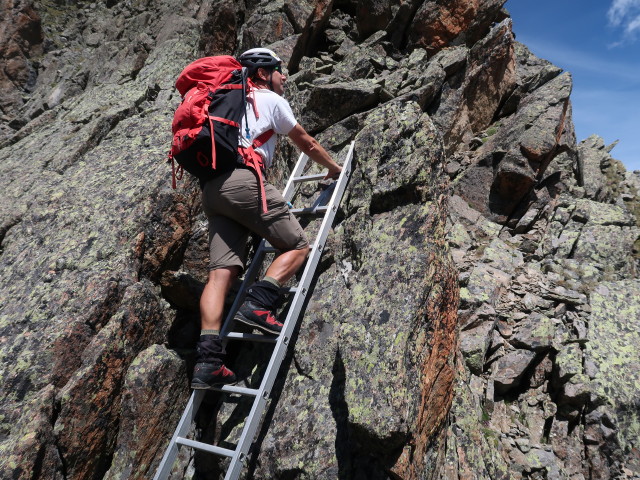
(176, 173)
(213, 142)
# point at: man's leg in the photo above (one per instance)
(212, 299)
(280, 228)
(210, 369)
(287, 264)
(257, 309)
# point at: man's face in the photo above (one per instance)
(274, 76)
(277, 79)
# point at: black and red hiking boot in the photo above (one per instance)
(210, 370)
(258, 317)
(206, 375)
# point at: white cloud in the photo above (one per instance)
(618, 10)
(625, 14)
(633, 25)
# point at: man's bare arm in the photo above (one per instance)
(314, 150)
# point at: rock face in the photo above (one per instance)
(21, 43)
(545, 235)
(476, 310)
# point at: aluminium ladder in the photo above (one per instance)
(326, 204)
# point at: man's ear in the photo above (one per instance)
(262, 74)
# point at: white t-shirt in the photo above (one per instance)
(274, 113)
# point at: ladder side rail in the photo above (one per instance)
(289, 189)
(270, 374)
(318, 248)
(308, 273)
(171, 453)
(255, 415)
(280, 350)
(188, 416)
(338, 192)
(336, 189)
(323, 232)
(246, 438)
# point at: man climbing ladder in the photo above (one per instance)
(231, 203)
(325, 206)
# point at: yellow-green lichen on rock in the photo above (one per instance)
(614, 336)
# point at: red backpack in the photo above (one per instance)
(206, 125)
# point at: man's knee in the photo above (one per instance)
(300, 254)
(224, 275)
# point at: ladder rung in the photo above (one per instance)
(309, 210)
(309, 178)
(252, 337)
(223, 452)
(250, 392)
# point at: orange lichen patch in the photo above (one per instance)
(439, 373)
(437, 25)
(438, 367)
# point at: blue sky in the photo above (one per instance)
(598, 41)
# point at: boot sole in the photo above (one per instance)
(200, 385)
(241, 318)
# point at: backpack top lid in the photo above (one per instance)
(210, 70)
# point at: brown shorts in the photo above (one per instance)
(233, 208)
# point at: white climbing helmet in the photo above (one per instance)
(259, 58)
